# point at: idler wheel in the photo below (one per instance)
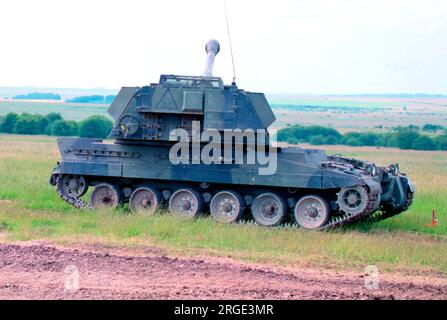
(269, 209)
(73, 185)
(106, 195)
(145, 200)
(186, 203)
(227, 206)
(353, 200)
(311, 212)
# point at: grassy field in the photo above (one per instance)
(360, 114)
(70, 111)
(30, 209)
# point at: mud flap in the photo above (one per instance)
(374, 186)
(53, 178)
(396, 195)
(400, 193)
(411, 186)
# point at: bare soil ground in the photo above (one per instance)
(37, 271)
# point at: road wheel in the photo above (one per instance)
(311, 212)
(186, 203)
(227, 206)
(106, 195)
(269, 209)
(353, 200)
(145, 200)
(73, 185)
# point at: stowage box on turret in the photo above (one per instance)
(196, 145)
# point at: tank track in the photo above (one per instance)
(73, 201)
(383, 214)
(334, 223)
(345, 219)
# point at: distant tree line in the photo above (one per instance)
(37, 96)
(340, 109)
(396, 95)
(432, 128)
(108, 99)
(54, 125)
(93, 99)
(401, 137)
(99, 127)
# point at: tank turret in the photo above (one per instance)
(152, 112)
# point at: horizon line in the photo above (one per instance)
(363, 94)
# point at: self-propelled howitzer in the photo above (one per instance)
(195, 145)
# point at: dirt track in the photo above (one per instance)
(37, 272)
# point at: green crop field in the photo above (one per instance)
(70, 111)
(359, 114)
(30, 210)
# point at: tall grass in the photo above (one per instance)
(30, 209)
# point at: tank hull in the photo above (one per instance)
(296, 167)
(299, 172)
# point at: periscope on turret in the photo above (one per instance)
(199, 146)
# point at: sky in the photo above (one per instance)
(280, 46)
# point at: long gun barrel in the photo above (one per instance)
(212, 48)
